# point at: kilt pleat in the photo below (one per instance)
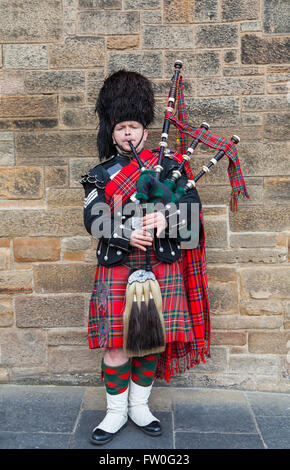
(183, 345)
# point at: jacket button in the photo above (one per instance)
(161, 249)
(106, 258)
(173, 253)
(119, 252)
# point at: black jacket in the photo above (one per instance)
(113, 250)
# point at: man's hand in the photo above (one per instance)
(140, 239)
(155, 220)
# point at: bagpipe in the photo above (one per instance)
(143, 311)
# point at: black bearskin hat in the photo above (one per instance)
(124, 96)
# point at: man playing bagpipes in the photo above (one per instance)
(149, 308)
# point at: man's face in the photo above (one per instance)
(129, 130)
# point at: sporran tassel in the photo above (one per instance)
(144, 329)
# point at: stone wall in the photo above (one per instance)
(53, 57)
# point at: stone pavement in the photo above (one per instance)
(62, 417)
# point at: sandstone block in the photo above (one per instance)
(196, 64)
(54, 81)
(25, 348)
(142, 4)
(221, 35)
(4, 376)
(254, 364)
(65, 197)
(260, 307)
(51, 222)
(6, 311)
(45, 21)
(147, 63)
(123, 42)
(100, 4)
(203, 11)
(219, 364)
(221, 111)
(247, 26)
(15, 281)
(28, 106)
(78, 52)
(99, 22)
(73, 99)
(167, 37)
(276, 16)
(230, 57)
(53, 148)
(28, 124)
(243, 322)
(221, 274)
(36, 249)
(229, 338)
(6, 153)
(265, 283)
(257, 50)
(218, 194)
(252, 119)
(67, 337)
(4, 259)
(257, 240)
(40, 311)
(237, 70)
(223, 298)
(277, 190)
(23, 56)
(76, 243)
(56, 176)
(263, 255)
(64, 278)
(265, 103)
(277, 126)
(151, 17)
(246, 220)
(78, 118)
(64, 359)
(216, 232)
(240, 10)
(230, 86)
(269, 343)
(12, 82)
(21, 183)
(259, 158)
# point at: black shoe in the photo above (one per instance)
(152, 429)
(100, 437)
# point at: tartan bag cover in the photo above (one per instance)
(187, 337)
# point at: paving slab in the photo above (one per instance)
(38, 408)
(275, 431)
(10, 440)
(206, 440)
(217, 411)
(269, 404)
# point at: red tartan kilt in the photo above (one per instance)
(105, 328)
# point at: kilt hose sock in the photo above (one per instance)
(116, 378)
(143, 369)
(116, 382)
(141, 382)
